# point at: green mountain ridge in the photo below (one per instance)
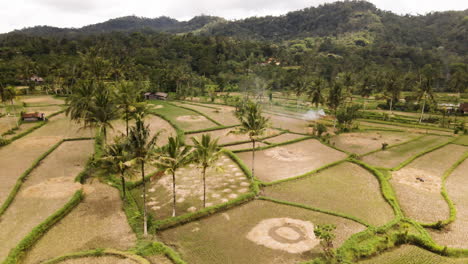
(447, 29)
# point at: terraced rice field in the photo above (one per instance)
(418, 185)
(221, 114)
(455, 234)
(345, 188)
(364, 142)
(224, 235)
(97, 222)
(291, 160)
(48, 188)
(392, 157)
(225, 182)
(412, 255)
(18, 156)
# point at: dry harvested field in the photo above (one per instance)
(283, 138)
(345, 188)
(363, 142)
(224, 183)
(97, 222)
(255, 229)
(155, 124)
(99, 260)
(455, 234)
(288, 123)
(227, 135)
(245, 146)
(48, 188)
(18, 156)
(412, 255)
(392, 157)
(291, 160)
(41, 100)
(418, 185)
(186, 119)
(221, 114)
(404, 128)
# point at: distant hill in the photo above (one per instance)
(447, 29)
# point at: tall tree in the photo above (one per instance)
(143, 145)
(315, 92)
(254, 124)
(425, 86)
(127, 96)
(392, 88)
(117, 159)
(173, 156)
(206, 153)
(335, 97)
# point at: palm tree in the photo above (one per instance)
(315, 92)
(205, 154)
(79, 102)
(335, 96)
(254, 125)
(393, 88)
(116, 157)
(127, 95)
(173, 156)
(425, 85)
(102, 111)
(143, 146)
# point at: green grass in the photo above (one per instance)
(462, 140)
(411, 255)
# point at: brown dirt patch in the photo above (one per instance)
(291, 124)
(361, 143)
(291, 160)
(191, 118)
(97, 222)
(283, 138)
(41, 100)
(28, 210)
(226, 136)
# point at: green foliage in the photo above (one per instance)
(325, 233)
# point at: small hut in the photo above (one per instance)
(156, 96)
(31, 117)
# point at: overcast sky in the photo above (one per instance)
(17, 14)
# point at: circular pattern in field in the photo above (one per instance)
(284, 154)
(191, 118)
(287, 234)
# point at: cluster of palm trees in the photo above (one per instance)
(96, 104)
(139, 148)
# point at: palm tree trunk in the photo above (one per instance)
(123, 185)
(145, 224)
(391, 106)
(253, 159)
(173, 195)
(204, 186)
(422, 112)
(126, 120)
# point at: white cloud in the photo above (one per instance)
(17, 14)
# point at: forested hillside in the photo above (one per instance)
(353, 42)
